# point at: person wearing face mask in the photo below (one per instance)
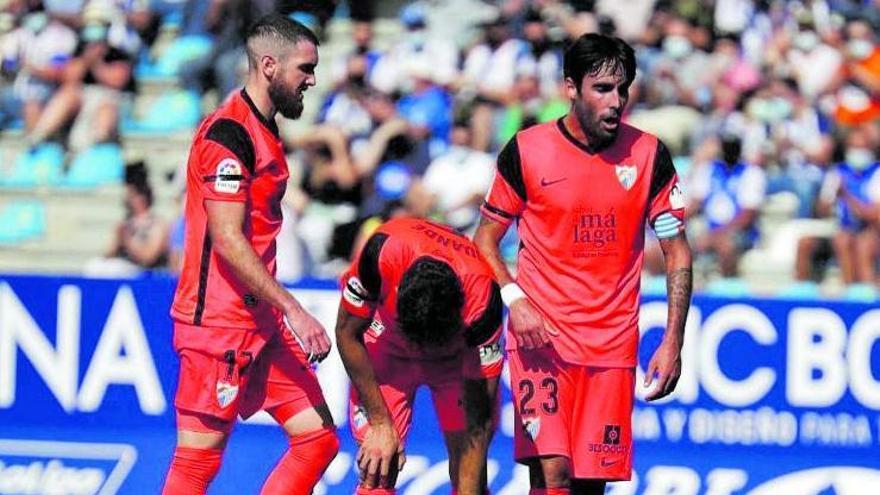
(729, 193)
(852, 190)
(390, 74)
(36, 53)
(808, 52)
(857, 99)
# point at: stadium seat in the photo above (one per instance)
(96, 166)
(38, 166)
(173, 111)
(728, 287)
(804, 290)
(22, 220)
(654, 285)
(179, 52)
(860, 293)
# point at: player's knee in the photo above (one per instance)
(320, 445)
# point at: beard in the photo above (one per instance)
(598, 137)
(285, 100)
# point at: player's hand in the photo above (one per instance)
(310, 333)
(527, 325)
(665, 364)
(380, 451)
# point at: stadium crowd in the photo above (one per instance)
(769, 107)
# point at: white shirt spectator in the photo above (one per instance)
(391, 70)
(52, 45)
(496, 70)
(455, 178)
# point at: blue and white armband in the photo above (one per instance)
(667, 226)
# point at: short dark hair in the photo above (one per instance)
(593, 54)
(429, 302)
(280, 28)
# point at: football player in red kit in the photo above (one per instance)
(581, 191)
(244, 342)
(420, 307)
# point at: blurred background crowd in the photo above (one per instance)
(770, 108)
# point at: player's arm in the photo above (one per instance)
(225, 222)
(666, 361)
(505, 200)
(480, 397)
(481, 371)
(381, 452)
(226, 163)
(666, 209)
(381, 445)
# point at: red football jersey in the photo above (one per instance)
(369, 288)
(237, 155)
(581, 222)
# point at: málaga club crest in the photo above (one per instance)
(626, 175)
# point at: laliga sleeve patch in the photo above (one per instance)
(676, 197)
(229, 176)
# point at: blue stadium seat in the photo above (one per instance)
(99, 165)
(176, 54)
(801, 291)
(181, 51)
(22, 220)
(728, 287)
(654, 285)
(39, 166)
(173, 111)
(860, 293)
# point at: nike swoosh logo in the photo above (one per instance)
(545, 182)
(607, 463)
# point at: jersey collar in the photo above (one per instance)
(575, 141)
(269, 124)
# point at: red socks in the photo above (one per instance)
(301, 467)
(550, 491)
(191, 471)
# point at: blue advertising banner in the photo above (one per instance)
(776, 397)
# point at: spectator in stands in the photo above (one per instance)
(329, 193)
(808, 51)
(853, 187)
(343, 107)
(546, 54)
(97, 82)
(140, 240)
(35, 55)
(456, 181)
(428, 106)
(391, 157)
(390, 72)
(224, 66)
(729, 193)
(858, 97)
(362, 38)
(489, 72)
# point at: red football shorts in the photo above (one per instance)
(579, 412)
(398, 378)
(229, 372)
